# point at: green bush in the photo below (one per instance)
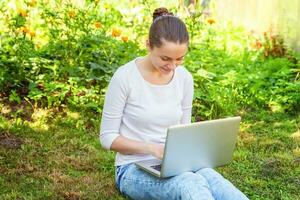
(64, 54)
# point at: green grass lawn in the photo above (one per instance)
(56, 154)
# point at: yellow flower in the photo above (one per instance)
(106, 6)
(124, 38)
(72, 14)
(22, 12)
(211, 21)
(32, 3)
(98, 25)
(24, 30)
(116, 32)
(32, 33)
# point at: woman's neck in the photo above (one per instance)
(147, 66)
(151, 74)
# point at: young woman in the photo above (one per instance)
(145, 97)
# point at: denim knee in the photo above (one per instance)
(221, 187)
(210, 175)
(192, 186)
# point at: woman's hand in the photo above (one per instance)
(157, 150)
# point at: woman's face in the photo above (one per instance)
(167, 57)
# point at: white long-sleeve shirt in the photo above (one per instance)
(141, 111)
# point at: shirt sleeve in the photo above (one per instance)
(112, 112)
(187, 102)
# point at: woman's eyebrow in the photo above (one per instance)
(171, 58)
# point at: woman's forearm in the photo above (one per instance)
(124, 145)
(127, 146)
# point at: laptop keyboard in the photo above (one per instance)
(157, 167)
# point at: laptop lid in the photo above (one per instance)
(190, 147)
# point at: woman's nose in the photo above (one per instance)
(172, 65)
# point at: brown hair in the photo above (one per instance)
(166, 26)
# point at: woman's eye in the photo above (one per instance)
(167, 59)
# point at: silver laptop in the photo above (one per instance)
(190, 147)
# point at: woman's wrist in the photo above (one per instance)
(150, 148)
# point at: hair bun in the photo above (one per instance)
(161, 12)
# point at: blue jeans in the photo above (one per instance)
(206, 184)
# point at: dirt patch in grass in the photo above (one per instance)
(10, 141)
